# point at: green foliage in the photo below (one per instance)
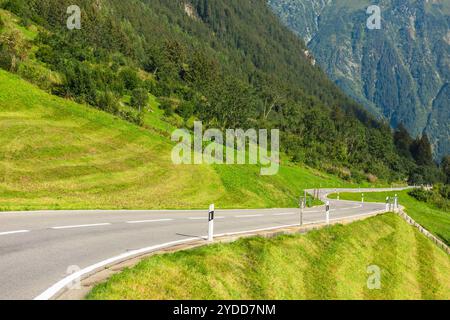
(445, 166)
(130, 78)
(139, 98)
(431, 215)
(397, 73)
(421, 151)
(13, 49)
(233, 66)
(37, 74)
(186, 110)
(106, 101)
(438, 196)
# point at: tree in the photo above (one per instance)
(13, 49)
(130, 78)
(139, 98)
(107, 102)
(403, 141)
(421, 151)
(445, 166)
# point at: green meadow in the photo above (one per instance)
(57, 154)
(331, 263)
(436, 220)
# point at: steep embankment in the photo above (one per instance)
(57, 154)
(434, 219)
(333, 263)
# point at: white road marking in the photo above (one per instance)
(148, 221)
(82, 226)
(13, 232)
(250, 216)
(204, 218)
(57, 287)
(285, 214)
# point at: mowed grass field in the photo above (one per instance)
(436, 220)
(56, 154)
(331, 263)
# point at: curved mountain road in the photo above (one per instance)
(37, 249)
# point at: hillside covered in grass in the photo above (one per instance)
(327, 264)
(57, 154)
(231, 64)
(435, 218)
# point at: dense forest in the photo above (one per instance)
(229, 63)
(400, 73)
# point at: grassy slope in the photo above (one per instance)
(57, 154)
(434, 219)
(327, 264)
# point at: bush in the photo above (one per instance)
(420, 194)
(438, 196)
(139, 98)
(130, 78)
(38, 74)
(5, 58)
(186, 110)
(445, 191)
(132, 116)
(107, 102)
(167, 106)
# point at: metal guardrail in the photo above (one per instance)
(424, 231)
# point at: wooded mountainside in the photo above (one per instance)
(230, 63)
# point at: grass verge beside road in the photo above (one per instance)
(326, 264)
(435, 220)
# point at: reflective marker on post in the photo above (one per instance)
(387, 204)
(328, 212)
(302, 207)
(211, 223)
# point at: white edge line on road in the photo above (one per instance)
(57, 287)
(250, 216)
(360, 215)
(13, 232)
(60, 285)
(148, 221)
(81, 226)
(285, 214)
(204, 218)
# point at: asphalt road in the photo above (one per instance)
(38, 248)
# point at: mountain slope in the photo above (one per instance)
(400, 72)
(56, 154)
(230, 64)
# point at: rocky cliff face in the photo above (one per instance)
(400, 72)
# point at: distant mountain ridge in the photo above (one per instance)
(401, 72)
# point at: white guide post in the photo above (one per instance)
(396, 203)
(327, 207)
(211, 223)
